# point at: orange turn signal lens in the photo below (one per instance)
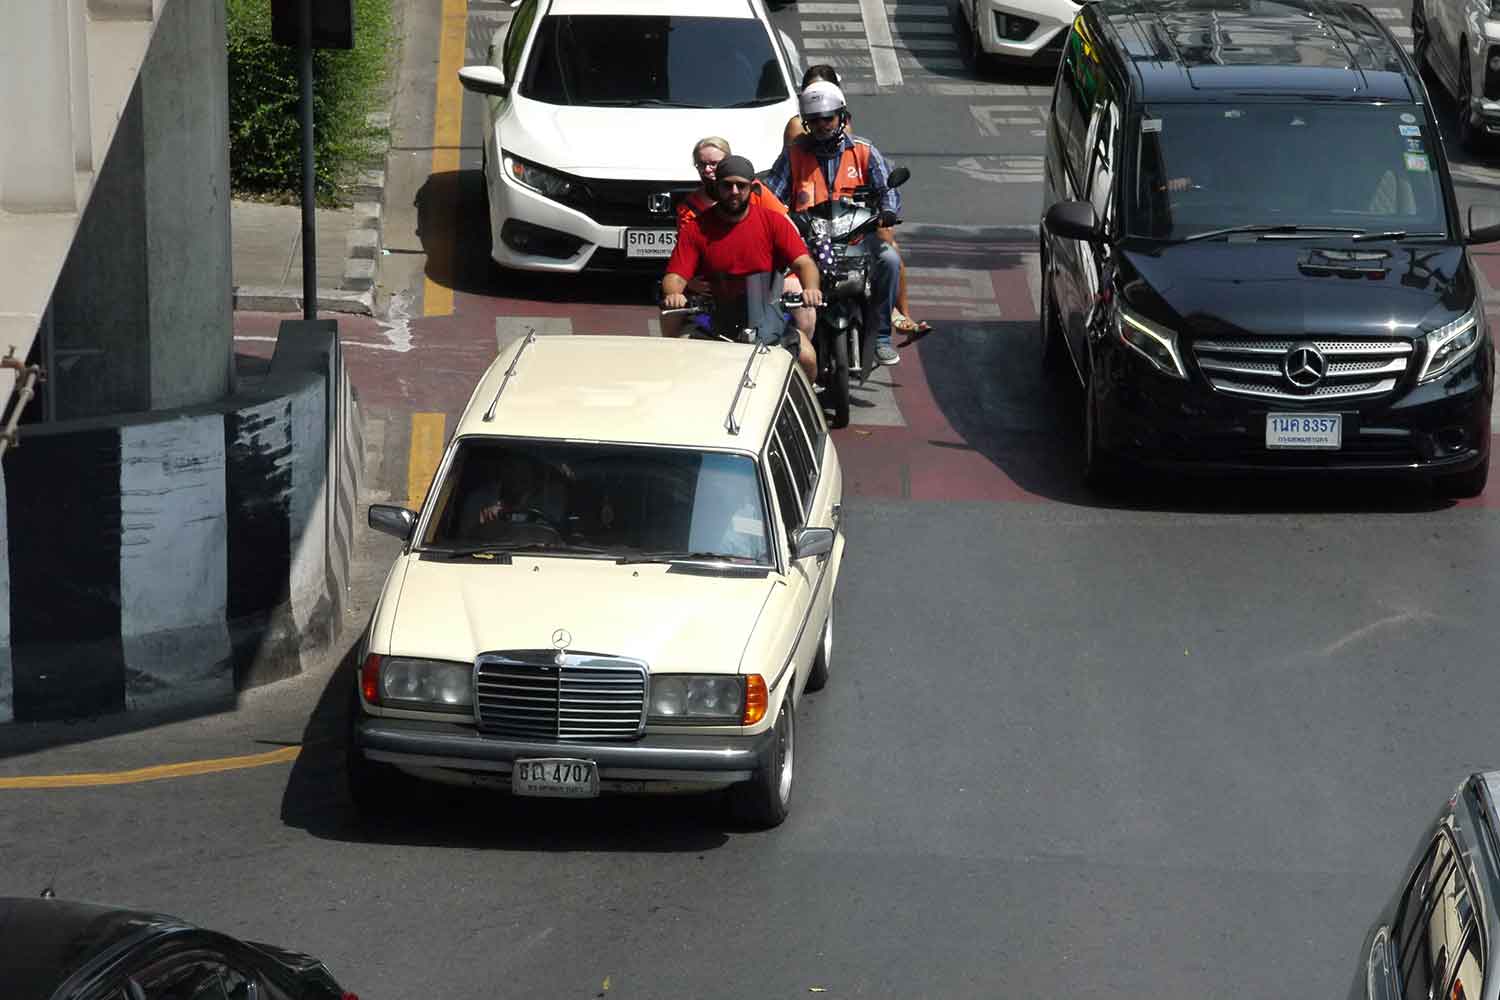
(756, 699)
(369, 679)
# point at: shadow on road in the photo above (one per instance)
(316, 799)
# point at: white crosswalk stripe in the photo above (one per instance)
(882, 46)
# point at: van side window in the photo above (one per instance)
(1104, 145)
(1070, 110)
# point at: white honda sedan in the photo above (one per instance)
(593, 107)
(1016, 31)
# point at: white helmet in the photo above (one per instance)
(820, 98)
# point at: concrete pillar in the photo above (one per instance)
(36, 175)
(185, 113)
(78, 61)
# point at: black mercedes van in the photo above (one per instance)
(1250, 247)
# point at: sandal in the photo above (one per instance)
(913, 329)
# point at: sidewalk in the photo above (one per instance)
(268, 256)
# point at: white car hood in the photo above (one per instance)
(674, 621)
(638, 143)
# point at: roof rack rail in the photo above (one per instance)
(530, 339)
(746, 382)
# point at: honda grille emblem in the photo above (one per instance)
(660, 202)
(1304, 366)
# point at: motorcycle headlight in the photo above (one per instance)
(1155, 343)
(697, 698)
(1449, 344)
(428, 685)
(543, 181)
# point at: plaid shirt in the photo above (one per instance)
(779, 180)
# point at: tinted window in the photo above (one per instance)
(1070, 112)
(515, 39)
(786, 493)
(798, 452)
(616, 498)
(622, 61)
(1208, 166)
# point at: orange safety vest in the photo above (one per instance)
(809, 184)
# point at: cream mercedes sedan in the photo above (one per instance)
(621, 580)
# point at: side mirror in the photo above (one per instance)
(392, 520)
(811, 542)
(898, 177)
(1074, 220)
(484, 80)
(1484, 224)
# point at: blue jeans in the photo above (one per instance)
(885, 283)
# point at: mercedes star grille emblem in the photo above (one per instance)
(660, 203)
(1304, 366)
(561, 639)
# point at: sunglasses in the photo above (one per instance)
(736, 185)
(706, 164)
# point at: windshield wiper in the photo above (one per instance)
(507, 550)
(1392, 234)
(640, 102)
(669, 556)
(1271, 228)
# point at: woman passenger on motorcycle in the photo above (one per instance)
(901, 319)
(708, 153)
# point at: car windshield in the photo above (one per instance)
(600, 499)
(623, 61)
(1202, 167)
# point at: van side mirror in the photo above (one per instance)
(1074, 220)
(484, 80)
(392, 520)
(1484, 224)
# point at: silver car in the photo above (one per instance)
(1433, 941)
(1459, 40)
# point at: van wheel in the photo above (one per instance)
(764, 800)
(818, 679)
(838, 379)
(1462, 485)
(1101, 470)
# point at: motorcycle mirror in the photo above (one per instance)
(898, 177)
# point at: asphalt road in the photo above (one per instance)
(1174, 745)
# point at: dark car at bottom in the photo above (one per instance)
(1251, 251)
(53, 949)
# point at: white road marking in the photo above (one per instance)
(992, 118)
(882, 46)
(913, 45)
(1000, 169)
(970, 291)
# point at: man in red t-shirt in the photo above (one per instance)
(737, 238)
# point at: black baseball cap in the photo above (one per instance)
(734, 166)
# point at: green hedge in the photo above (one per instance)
(265, 139)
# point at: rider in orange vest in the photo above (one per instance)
(829, 162)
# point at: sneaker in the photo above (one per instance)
(886, 354)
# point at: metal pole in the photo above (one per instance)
(309, 167)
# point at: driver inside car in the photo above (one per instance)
(505, 501)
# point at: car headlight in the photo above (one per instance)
(697, 698)
(431, 685)
(1449, 344)
(1156, 344)
(543, 181)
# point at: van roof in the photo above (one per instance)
(1191, 50)
(641, 390)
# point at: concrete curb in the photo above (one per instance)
(254, 298)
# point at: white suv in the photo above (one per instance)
(1459, 40)
(592, 110)
(621, 580)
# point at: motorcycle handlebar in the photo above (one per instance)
(791, 300)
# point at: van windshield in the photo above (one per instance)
(1201, 167)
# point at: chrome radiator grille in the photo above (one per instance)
(1258, 368)
(530, 695)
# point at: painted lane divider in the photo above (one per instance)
(159, 772)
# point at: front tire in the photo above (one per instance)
(764, 801)
(1463, 485)
(838, 377)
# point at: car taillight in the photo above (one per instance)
(369, 681)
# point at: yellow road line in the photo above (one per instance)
(426, 451)
(159, 772)
(447, 132)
